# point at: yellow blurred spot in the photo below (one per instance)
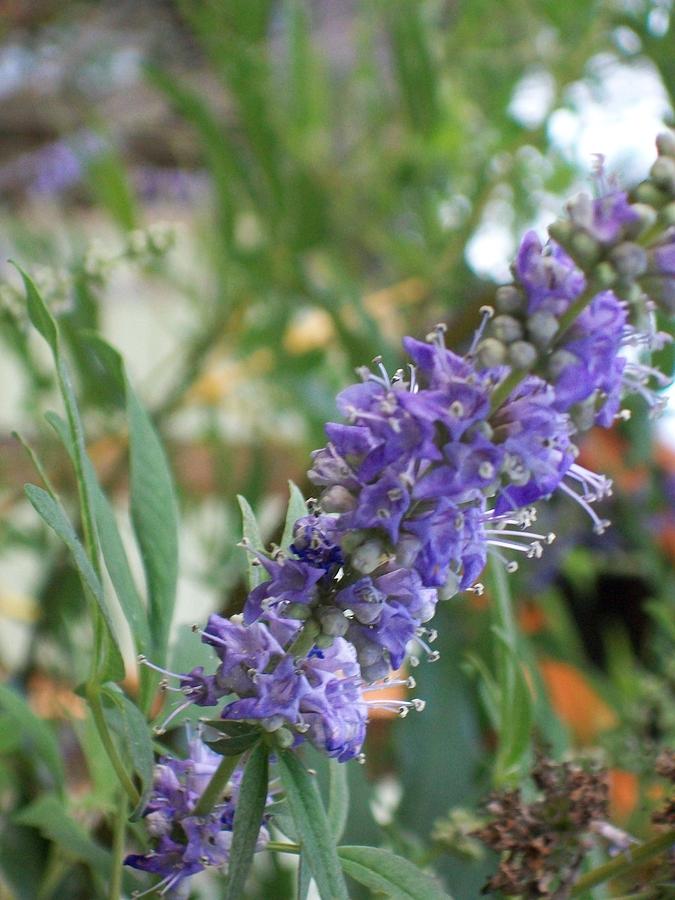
(309, 329)
(393, 692)
(577, 704)
(385, 305)
(18, 607)
(222, 379)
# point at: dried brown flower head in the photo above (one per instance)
(543, 842)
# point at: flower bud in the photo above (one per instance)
(649, 194)
(284, 738)
(668, 214)
(665, 143)
(337, 499)
(561, 231)
(645, 217)
(298, 611)
(332, 621)
(663, 174)
(367, 557)
(541, 327)
(506, 329)
(605, 274)
(629, 259)
(559, 361)
(522, 355)
(584, 249)
(407, 548)
(491, 352)
(509, 299)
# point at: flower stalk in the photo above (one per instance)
(625, 863)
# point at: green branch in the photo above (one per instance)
(214, 789)
(625, 863)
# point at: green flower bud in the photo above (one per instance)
(337, 499)
(663, 174)
(665, 143)
(541, 327)
(561, 231)
(491, 352)
(668, 214)
(332, 621)
(584, 249)
(629, 259)
(284, 738)
(559, 361)
(368, 557)
(522, 355)
(298, 611)
(649, 194)
(605, 274)
(646, 217)
(506, 329)
(509, 299)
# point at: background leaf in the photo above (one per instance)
(392, 875)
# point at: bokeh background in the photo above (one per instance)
(250, 198)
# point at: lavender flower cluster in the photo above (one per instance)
(187, 843)
(440, 464)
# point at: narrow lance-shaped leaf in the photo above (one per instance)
(155, 521)
(297, 508)
(251, 531)
(112, 547)
(133, 729)
(389, 874)
(54, 516)
(248, 819)
(338, 797)
(318, 845)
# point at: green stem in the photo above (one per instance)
(119, 833)
(575, 310)
(625, 863)
(215, 787)
(305, 639)
(94, 700)
(280, 847)
(507, 386)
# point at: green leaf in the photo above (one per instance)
(338, 797)
(516, 708)
(297, 508)
(52, 820)
(251, 532)
(155, 521)
(248, 819)
(39, 314)
(392, 875)
(234, 746)
(318, 846)
(54, 516)
(132, 727)
(36, 731)
(112, 547)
